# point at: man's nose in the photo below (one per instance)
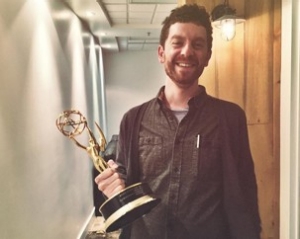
(187, 50)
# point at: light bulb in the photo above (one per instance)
(227, 29)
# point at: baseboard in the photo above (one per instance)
(84, 230)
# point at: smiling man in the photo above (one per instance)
(192, 149)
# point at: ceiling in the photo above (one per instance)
(124, 25)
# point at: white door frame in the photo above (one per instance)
(289, 121)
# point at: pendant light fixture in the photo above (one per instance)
(224, 17)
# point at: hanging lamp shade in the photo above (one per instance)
(224, 17)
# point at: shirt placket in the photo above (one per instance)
(175, 170)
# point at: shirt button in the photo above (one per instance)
(176, 170)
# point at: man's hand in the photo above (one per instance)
(109, 181)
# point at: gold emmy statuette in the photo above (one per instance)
(124, 207)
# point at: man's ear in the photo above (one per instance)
(161, 54)
(208, 57)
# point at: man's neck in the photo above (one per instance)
(176, 97)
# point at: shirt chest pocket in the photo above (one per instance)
(150, 156)
(206, 159)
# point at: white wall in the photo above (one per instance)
(290, 122)
(45, 180)
(131, 78)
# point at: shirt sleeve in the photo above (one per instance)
(240, 187)
(121, 158)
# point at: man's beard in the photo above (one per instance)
(182, 80)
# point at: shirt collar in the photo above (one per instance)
(195, 101)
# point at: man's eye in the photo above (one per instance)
(176, 43)
(199, 45)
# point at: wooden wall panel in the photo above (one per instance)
(261, 143)
(230, 67)
(276, 111)
(259, 60)
(247, 72)
(261, 100)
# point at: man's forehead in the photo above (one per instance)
(186, 25)
(181, 29)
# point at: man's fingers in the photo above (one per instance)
(112, 164)
(114, 187)
(109, 181)
(104, 175)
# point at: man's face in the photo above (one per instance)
(185, 53)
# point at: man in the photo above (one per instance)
(191, 148)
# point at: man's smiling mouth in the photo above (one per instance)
(185, 65)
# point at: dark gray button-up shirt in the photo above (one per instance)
(182, 164)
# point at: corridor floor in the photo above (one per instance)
(96, 231)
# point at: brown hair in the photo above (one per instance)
(190, 13)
